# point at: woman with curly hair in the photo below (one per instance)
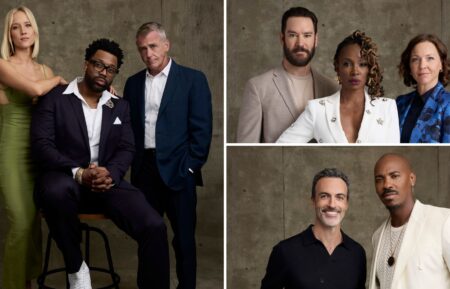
(358, 112)
(425, 113)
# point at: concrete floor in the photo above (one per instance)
(209, 254)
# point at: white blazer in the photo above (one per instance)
(321, 120)
(424, 257)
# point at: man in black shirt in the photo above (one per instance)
(322, 256)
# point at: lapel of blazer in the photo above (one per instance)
(140, 97)
(317, 83)
(431, 106)
(107, 123)
(368, 118)
(79, 114)
(280, 80)
(333, 117)
(413, 231)
(171, 87)
(373, 269)
(408, 102)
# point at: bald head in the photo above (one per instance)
(394, 181)
(398, 159)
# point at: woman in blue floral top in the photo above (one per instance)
(424, 114)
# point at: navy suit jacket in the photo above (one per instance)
(183, 128)
(59, 138)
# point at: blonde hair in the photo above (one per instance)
(7, 48)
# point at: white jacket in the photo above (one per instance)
(321, 120)
(424, 257)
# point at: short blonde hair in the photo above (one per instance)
(7, 48)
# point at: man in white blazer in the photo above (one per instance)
(273, 100)
(412, 247)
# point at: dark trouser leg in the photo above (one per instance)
(128, 209)
(180, 207)
(182, 215)
(148, 181)
(59, 197)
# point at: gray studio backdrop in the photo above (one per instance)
(195, 29)
(269, 189)
(253, 45)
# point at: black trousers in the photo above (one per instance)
(180, 207)
(61, 199)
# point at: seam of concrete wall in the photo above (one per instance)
(444, 21)
(162, 9)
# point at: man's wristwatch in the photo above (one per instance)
(79, 176)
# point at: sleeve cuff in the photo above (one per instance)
(74, 171)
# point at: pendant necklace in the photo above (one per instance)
(391, 259)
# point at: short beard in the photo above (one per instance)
(289, 55)
(392, 208)
(90, 82)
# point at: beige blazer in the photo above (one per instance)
(321, 121)
(268, 108)
(424, 257)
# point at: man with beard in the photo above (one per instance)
(273, 100)
(82, 139)
(322, 255)
(412, 247)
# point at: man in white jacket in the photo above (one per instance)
(412, 247)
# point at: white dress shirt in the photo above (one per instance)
(154, 89)
(92, 116)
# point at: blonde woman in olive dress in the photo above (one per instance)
(22, 81)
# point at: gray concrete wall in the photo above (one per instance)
(195, 29)
(269, 189)
(253, 45)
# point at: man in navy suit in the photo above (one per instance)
(171, 117)
(82, 138)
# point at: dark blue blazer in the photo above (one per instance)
(433, 124)
(59, 138)
(183, 128)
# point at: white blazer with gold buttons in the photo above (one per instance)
(321, 121)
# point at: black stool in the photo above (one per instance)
(86, 229)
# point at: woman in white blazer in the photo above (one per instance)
(357, 113)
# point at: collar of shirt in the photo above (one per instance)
(310, 239)
(427, 94)
(164, 72)
(73, 88)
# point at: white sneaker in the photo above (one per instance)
(81, 279)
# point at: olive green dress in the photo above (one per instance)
(23, 251)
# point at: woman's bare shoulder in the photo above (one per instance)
(48, 72)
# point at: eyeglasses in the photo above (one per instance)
(100, 66)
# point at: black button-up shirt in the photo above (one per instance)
(303, 262)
